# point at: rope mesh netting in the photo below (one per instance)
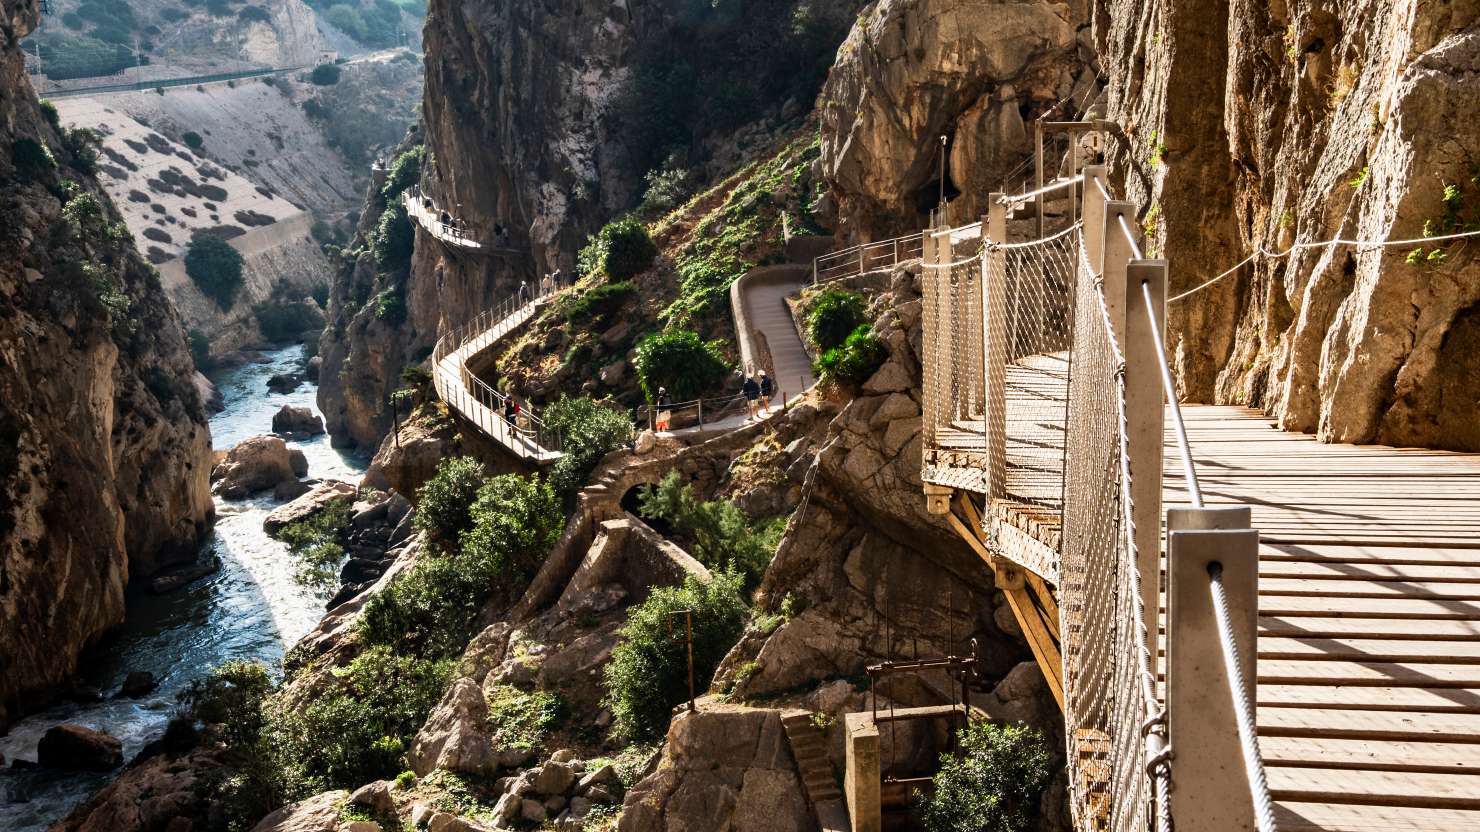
(1033, 283)
(1108, 687)
(954, 393)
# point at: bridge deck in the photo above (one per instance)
(1369, 644)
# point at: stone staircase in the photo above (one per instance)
(816, 771)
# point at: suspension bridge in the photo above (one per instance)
(1245, 628)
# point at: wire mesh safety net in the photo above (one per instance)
(1108, 689)
(1029, 307)
(951, 280)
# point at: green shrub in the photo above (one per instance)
(281, 321)
(648, 671)
(589, 431)
(215, 267)
(598, 305)
(357, 731)
(31, 158)
(200, 349)
(722, 536)
(515, 522)
(403, 173)
(855, 361)
(234, 700)
(834, 315)
(666, 190)
(315, 543)
(49, 112)
(522, 720)
(192, 139)
(393, 239)
(325, 75)
(444, 503)
(390, 306)
(994, 785)
(257, 14)
(680, 361)
(620, 250)
(431, 610)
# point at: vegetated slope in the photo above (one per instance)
(1302, 122)
(105, 451)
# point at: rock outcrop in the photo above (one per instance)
(1269, 125)
(297, 422)
(257, 464)
(104, 448)
(912, 71)
(78, 748)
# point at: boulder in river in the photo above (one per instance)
(179, 577)
(72, 747)
(138, 683)
(297, 422)
(311, 369)
(291, 490)
(256, 464)
(284, 382)
(308, 505)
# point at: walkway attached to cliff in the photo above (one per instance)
(1293, 644)
(477, 401)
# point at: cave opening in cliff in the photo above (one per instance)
(941, 186)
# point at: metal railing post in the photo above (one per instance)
(701, 414)
(1212, 793)
(930, 341)
(1094, 216)
(994, 338)
(1038, 171)
(1145, 420)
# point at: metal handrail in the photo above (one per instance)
(1184, 445)
(411, 201)
(1243, 709)
(1018, 199)
(838, 265)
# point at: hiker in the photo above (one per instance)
(510, 410)
(446, 219)
(524, 293)
(547, 285)
(752, 393)
(766, 389)
(665, 409)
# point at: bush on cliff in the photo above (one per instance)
(403, 173)
(681, 361)
(648, 671)
(392, 240)
(444, 504)
(589, 432)
(855, 361)
(215, 267)
(620, 250)
(719, 533)
(595, 307)
(834, 315)
(992, 784)
(325, 75)
(515, 522)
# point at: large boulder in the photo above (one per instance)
(73, 747)
(210, 395)
(914, 70)
(255, 464)
(283, 383)
(319, 813)
(456, 736)
(308, 505)
(725, 767)
(297, 422)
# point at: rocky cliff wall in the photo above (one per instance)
(104, 448)
(1264, 125)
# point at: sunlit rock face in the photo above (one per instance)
(1254, 124)
(104, 449)
(912, 71)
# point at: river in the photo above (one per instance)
(251, 609)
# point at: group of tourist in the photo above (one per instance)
(758, 388)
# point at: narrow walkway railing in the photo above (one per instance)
(855, 260)
(526, 433)
(424, 212)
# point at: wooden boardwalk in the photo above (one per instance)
(1369, 593)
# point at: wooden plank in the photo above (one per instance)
(1371, 725)
(1370, 698)
(1376, 755)
(1410, 608)
(1294, 816)
(1391, 555)
(1433, 630)
(1387, 674)
(1370, 788)
(1368, 571)
(1368, 589)
(1370, 649)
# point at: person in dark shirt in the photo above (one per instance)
(665, 409)
(752, 392)
(767, 388)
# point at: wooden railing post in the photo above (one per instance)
(1145, 422)
(1211, 792)
(994, 337)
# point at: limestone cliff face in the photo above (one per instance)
(975, 71)
(104, 448)
(1253, 124)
